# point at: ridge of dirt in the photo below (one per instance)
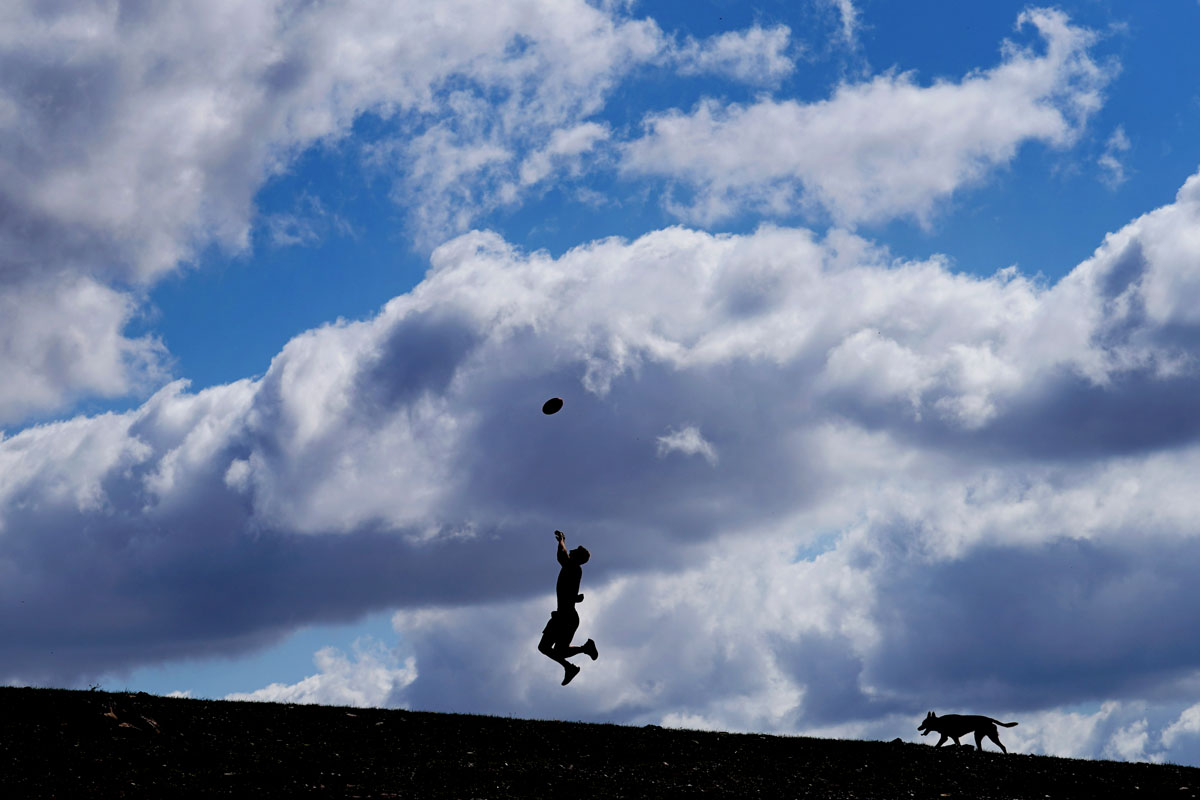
(70, 743)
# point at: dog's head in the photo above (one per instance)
(926, 726)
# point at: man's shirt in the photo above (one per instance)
(569, 577)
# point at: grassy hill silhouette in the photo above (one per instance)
(63, 743)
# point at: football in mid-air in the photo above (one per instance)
(552, 405)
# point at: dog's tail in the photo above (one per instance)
(1004, 724)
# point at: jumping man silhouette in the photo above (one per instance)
(564, 621)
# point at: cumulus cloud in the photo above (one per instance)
(176, 115)
(61, 339)
(1180, 735)
(884, 148)
(931, 487)
(366, 681)
(1154, 731)
(757, 55)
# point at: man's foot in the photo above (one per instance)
(572, 671)
(589, 647)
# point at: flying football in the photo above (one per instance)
(552, 405)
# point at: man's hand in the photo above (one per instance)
(559, 536)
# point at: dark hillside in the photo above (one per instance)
(59, 743)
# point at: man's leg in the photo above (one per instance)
(556, 645)
(555, 651)
(565, 651)
(588, 649)
(546, 647)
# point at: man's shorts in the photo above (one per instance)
(561, 627)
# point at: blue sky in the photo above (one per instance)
(906, 289)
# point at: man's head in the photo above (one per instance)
(580, 555)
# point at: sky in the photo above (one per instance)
(876, 326)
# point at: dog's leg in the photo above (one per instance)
(942, 740)
(979, 740)
(995, 737)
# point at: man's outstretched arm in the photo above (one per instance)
(564, 556)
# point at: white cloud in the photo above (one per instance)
(1129, 743)
(1110, 160)
(1067, 734)
(60, 339)
(177, 115)
(756, 55)
(849, 18)
(366, 681)
(689, 441)
(884, 148)
(566, 147)
(1187, 725)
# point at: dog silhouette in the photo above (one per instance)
(952, 726)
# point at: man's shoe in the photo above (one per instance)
(589, 647)
(572, 671)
